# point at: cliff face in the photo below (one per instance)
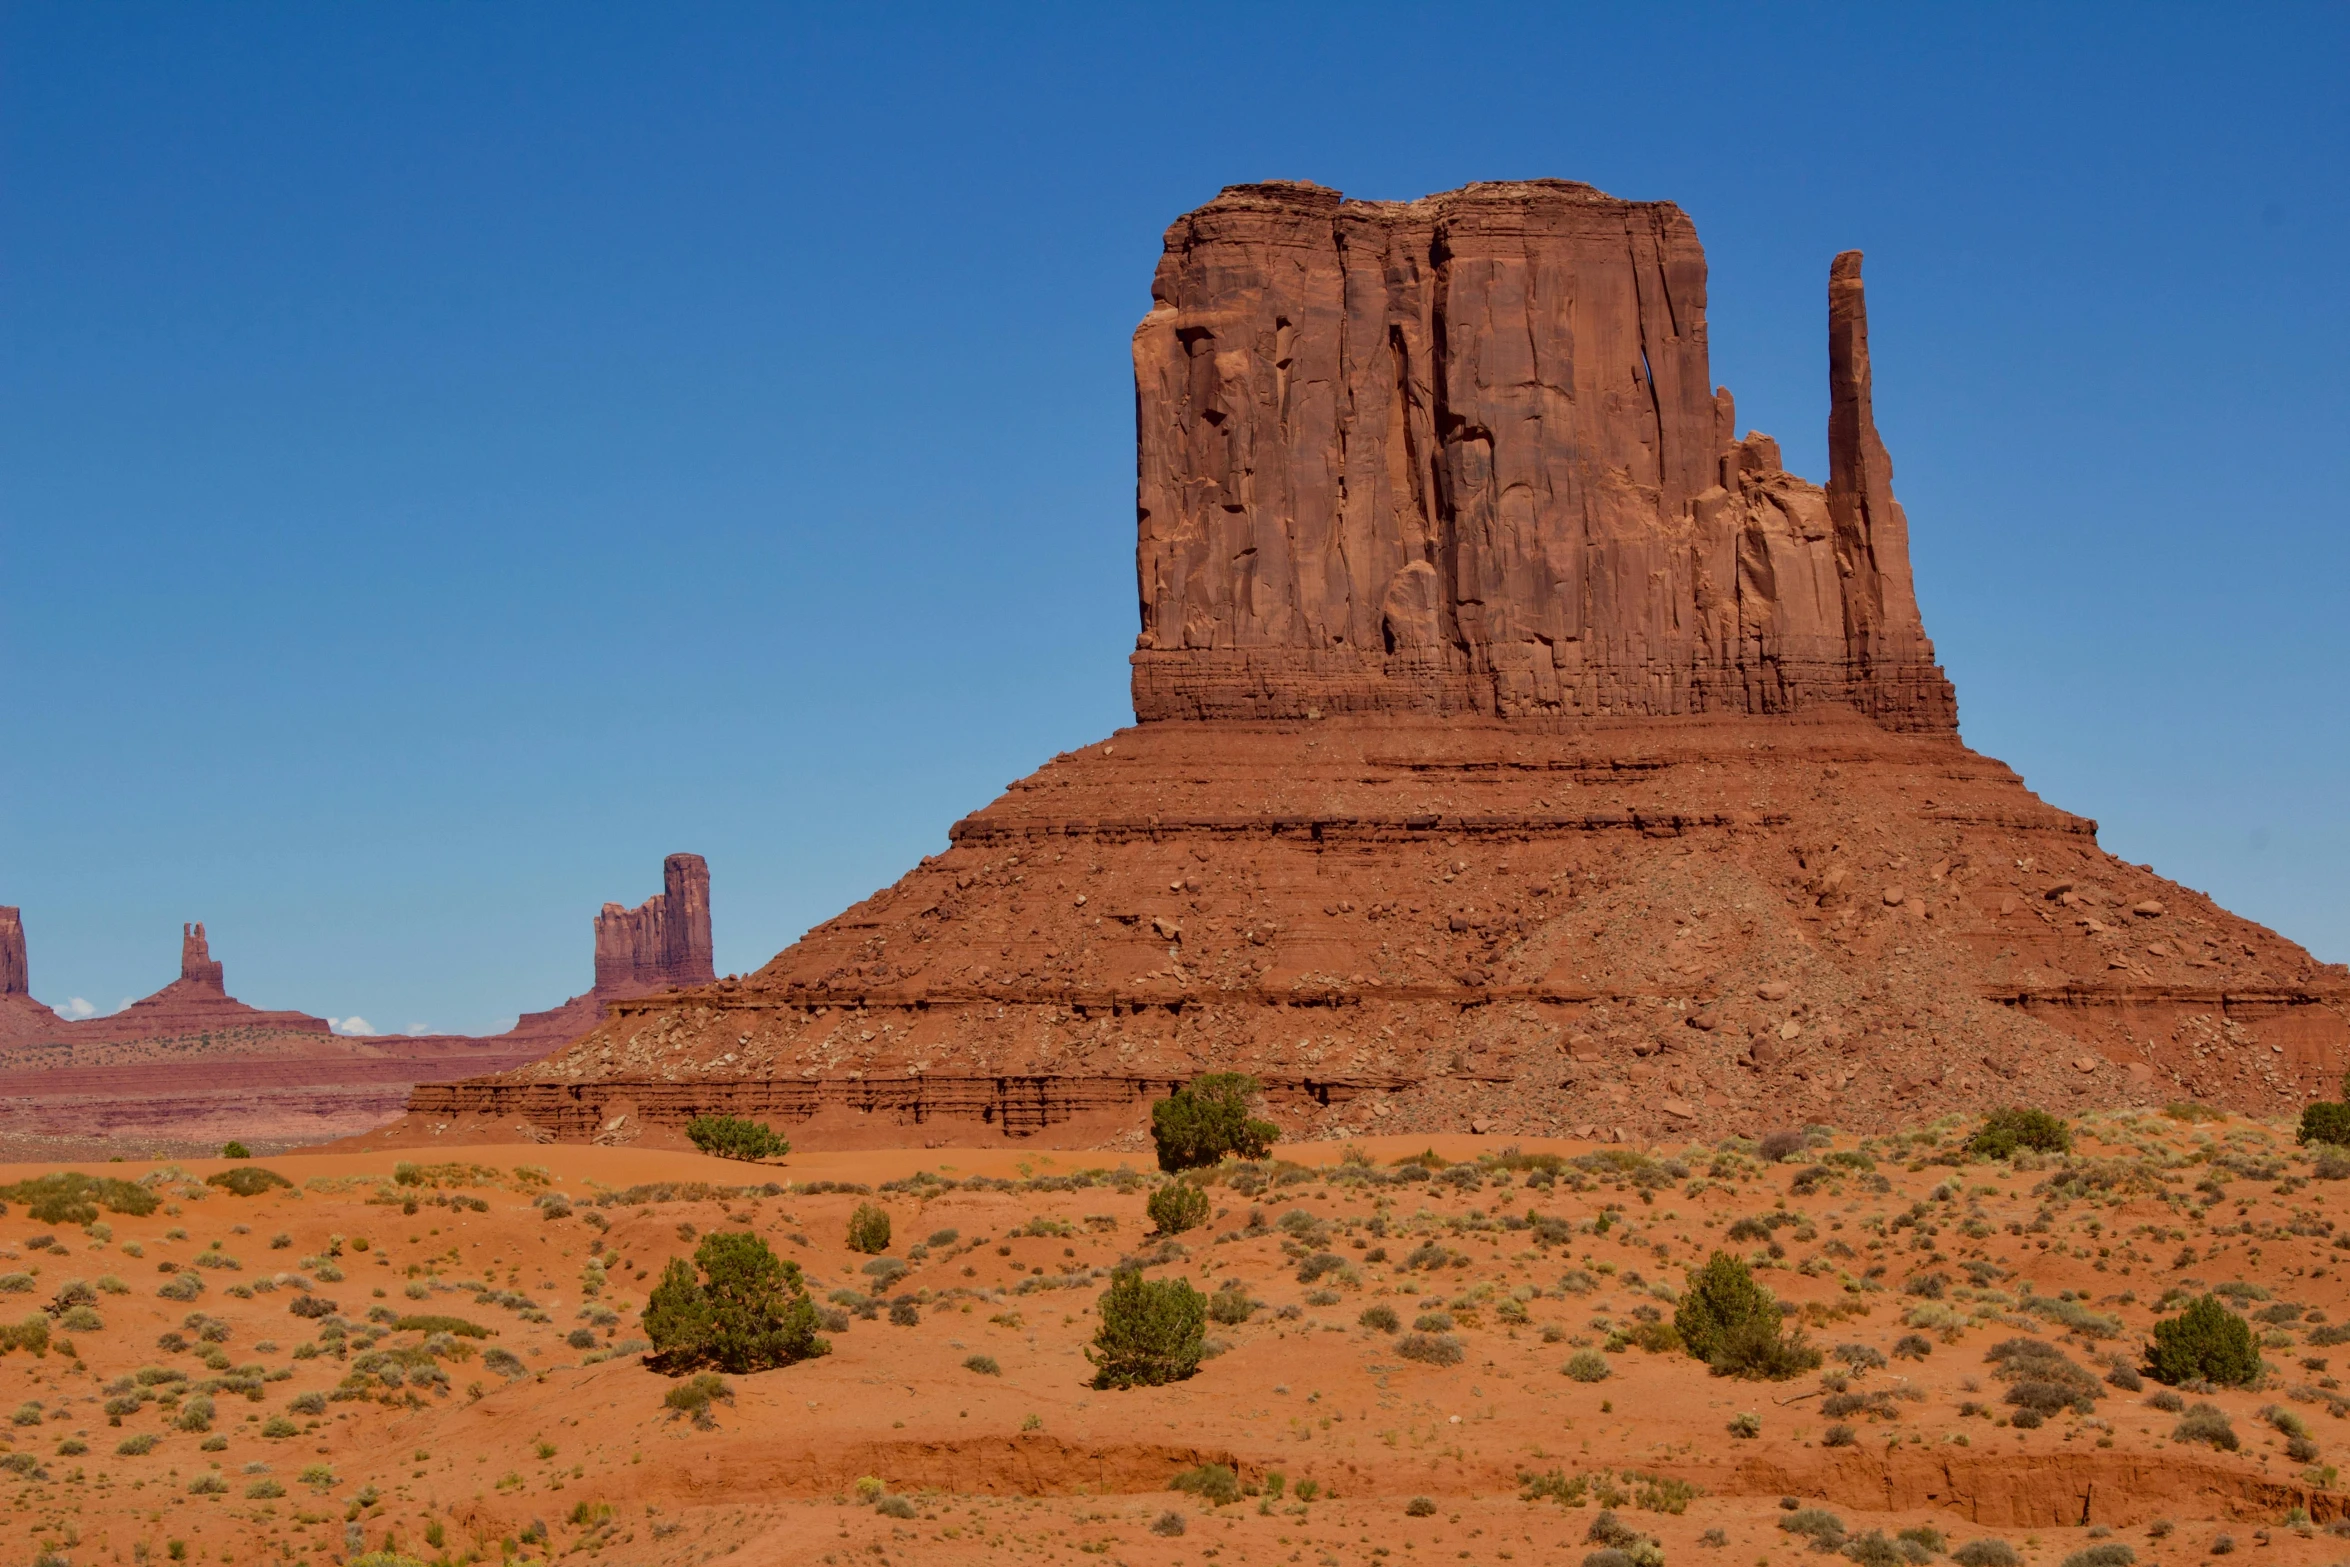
(664, 940)
(15, 972)
(1464, 455)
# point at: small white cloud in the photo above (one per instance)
(350, 1025)
(75, 1010)
(124, 1005)
(419, 1028)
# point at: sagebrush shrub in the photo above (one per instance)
(869, 1229)
(248, 1180)
(1231, 1305)
(1986, 1552)
(1380, 1319)
(2111, 1553)
(695, 1394)
(1588, 1365)
(1214, 1484)
(731, 1137)
(1759, 1352)
(1153, 1331)
(2003, 1132)
(70, 1197)
(1207, 1119)
(1176, 1207)
(2206, 1423)
(1874, 1550)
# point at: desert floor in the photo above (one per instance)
(550, 1436)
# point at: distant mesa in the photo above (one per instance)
(197, 1002)
(191, 1063)
(1520, 748)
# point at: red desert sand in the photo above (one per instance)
(1448, 1427)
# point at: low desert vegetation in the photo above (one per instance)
(1207, 1120)
(2004, 1133)
(869, 1229)
(1733, 1324)
(70, 1197)
(2204, 1343)
(694, 1396)
(731, 1137)
(747, 1311)
(1902, 1271)
(249, 1180)
(1176, 1207)
(1153, 1331)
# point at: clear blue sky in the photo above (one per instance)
(451, 456)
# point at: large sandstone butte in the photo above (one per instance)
(191, 1065)
(20, 1015)
(1519, 750)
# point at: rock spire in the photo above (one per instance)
(663, 941)
(15, 971)
(197, 966)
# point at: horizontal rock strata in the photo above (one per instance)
(1662, 926)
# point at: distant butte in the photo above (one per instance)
(191, 1064)
(1520, 750)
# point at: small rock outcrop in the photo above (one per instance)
(664, 940)
(1464, 455)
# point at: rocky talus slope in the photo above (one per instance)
(1640, 927)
